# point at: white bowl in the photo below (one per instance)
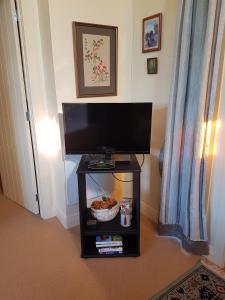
(105, 215)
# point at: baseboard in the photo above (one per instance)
(219, 270)
(70, 219)
(149, 212)
(215, 258)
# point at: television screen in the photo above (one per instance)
(96, 128)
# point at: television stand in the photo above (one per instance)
(131, 235)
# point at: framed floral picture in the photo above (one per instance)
(151, 33)
(95, 55)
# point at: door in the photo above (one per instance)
(17, 166)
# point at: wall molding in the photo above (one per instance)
(149, 212)
(219, 270)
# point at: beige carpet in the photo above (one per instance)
(40, 260)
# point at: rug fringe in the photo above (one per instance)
(212, 268)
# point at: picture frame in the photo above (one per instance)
(152, 33)
(152, 65)
(95, 57)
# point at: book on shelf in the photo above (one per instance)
(110, 253)
(110, 250)
(108, 240)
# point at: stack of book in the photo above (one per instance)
(109, 244)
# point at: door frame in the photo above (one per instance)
(23, 66)
(43, 106)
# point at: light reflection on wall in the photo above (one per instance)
(218, 125)
(48, 137)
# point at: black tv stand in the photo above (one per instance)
(131, 235)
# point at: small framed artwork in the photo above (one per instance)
(151, 33)
(95, 56)
(152, 65)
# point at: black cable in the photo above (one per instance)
(143, 160)
(113, 174)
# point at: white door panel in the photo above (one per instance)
(16, 156)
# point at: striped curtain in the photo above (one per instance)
(199, 45)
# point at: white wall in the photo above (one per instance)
(133, 82)
(51, 41)
(56, 157)
(154, 88)
(50, 69)
(217, 203)
(62, 14)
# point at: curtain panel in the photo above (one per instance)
(200, 29)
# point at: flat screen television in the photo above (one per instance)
(107, 128)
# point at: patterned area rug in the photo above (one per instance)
(198, 283)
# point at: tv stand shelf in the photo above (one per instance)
(111, 227)
(120, 166)
(131, 235)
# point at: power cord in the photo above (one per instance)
(142, 163)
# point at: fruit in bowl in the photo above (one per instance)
(106, 202)
(105, 210)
